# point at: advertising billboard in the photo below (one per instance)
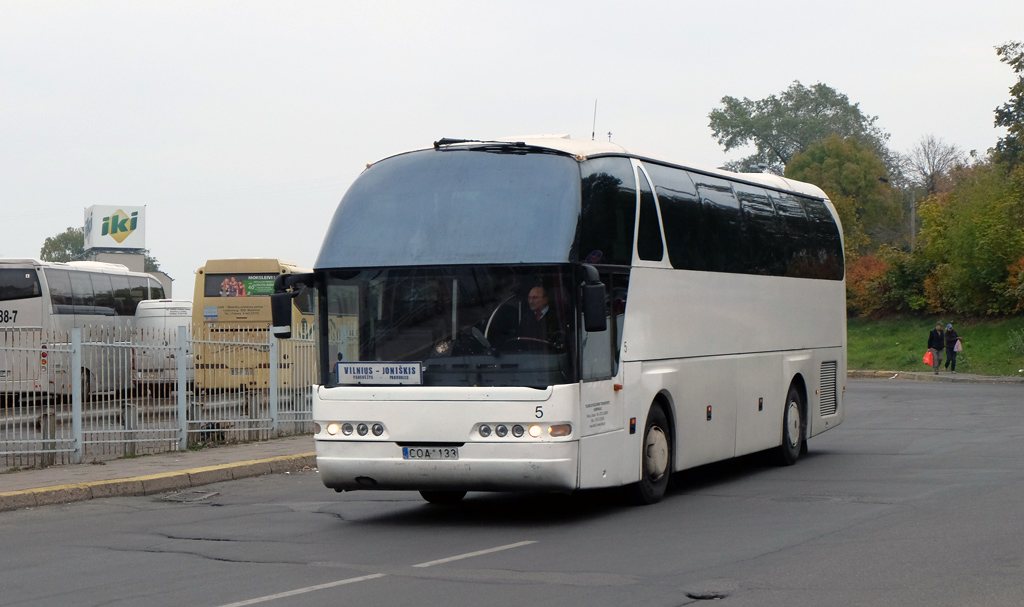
(115, 227)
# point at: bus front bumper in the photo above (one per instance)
(481, 466)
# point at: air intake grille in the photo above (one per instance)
(828, 388)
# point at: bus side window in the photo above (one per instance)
(104, 293)
(608, 213)
(60, 291)
(81, 287)
(139, 292)
(156, 290)
(122, 294)
(648, 238)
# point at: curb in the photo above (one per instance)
(154, 483)
(931, 377)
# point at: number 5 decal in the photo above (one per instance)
(538, 412)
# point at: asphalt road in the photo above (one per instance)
(916, 499)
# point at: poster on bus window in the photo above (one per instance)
(239, 285)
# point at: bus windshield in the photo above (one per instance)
(457, 326)
(457, 207)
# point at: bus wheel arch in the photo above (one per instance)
(657, 454)
(794, 424)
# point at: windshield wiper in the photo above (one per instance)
(450, 141)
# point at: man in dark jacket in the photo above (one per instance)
(951, 338)
(936, 342)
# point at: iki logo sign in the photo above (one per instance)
(120, 225)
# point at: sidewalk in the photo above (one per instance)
(162, 473)
(943, 376)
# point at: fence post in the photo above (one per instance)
(76, 396)
(48, 427)
(180, 355)
(275, 365)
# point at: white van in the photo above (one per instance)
(156, 330)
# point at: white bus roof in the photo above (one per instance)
(582, 148)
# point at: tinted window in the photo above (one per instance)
(722, 234)
(765, 245)
(61, 296)
(81, 288)
(608, 211)
(139, 291)
(825, 253)
(103, 291)
(681, 216)
(20, 283)
(122, 295)
(648, 245)
(156, 290)
(456, 206)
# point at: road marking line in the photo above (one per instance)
(472, 554)
(281, 595)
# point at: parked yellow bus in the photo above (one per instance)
(231, 319)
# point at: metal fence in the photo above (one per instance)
(91, 394)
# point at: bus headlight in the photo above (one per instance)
(316, 428)
(517, 431)
(362, 429)
(377, 429)
(484, 430)
(347, 429)
(332, 429)
(501, 431)
(534, 431)
(560, 430)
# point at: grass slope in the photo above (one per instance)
(991, 347)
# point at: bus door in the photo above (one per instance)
(602, 402)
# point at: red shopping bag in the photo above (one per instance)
(928, 360)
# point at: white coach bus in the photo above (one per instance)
(40, 302)
(554, 315)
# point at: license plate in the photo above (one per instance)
(430, 453)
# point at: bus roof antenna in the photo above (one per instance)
(593, 129)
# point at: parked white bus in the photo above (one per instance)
(554, 315)
(41, 300)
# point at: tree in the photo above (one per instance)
(974, 236)
(852, 176)
(781, 126)
(930, 160)
(1010, 149)
(69, 245)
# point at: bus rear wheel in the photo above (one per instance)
(655, 460)
(793, 431)
(442, 498)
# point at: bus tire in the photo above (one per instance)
(655, 459)
(793, 430)
(443, 498)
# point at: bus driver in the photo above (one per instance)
(539, 323)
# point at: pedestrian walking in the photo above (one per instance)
(936, 344)
(952, 340)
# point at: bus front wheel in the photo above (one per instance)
(793, 439)
(443, 498)
(655, 459)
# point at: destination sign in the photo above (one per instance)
(380, 373)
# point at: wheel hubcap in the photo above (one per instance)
(793, 424)
(655, 453)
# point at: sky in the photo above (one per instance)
(239, 125)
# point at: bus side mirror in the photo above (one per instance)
(594, 318)
(281, 310)
(286, 288)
